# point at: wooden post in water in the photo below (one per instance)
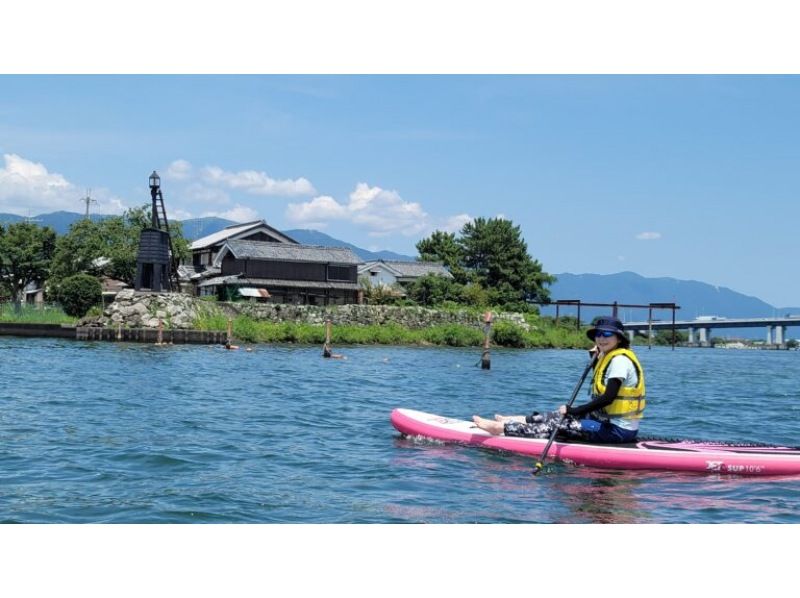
(160, 337)
(486, 362)
(326, 348)
(230, 330)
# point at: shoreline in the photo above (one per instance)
(291, 334)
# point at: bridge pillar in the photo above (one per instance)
(769, 335)
(779, 332)
(691, 335)
(704, 337)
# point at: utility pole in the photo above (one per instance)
(87, 200)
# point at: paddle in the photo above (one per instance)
(540, 462)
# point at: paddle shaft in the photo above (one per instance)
(540, 462)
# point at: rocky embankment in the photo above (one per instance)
(177, 311)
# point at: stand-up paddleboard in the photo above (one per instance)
(673, 455)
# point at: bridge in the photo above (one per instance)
(775, 327)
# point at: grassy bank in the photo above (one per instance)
(543, 334)
(30, 314)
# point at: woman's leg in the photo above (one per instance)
(509, 418)
(491, 426)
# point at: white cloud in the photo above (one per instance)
(648, 236)
(202, 194)
(179, 170)
(106, 203)
(29, 186)
(238, 213)
(454, 224)
(179, 214)
(257, 183)
(385, 212)
(317, 212)
(379, 211)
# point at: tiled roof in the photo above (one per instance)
(211, 282)
(410, 269)
(236, 229)
(290, 252)
(189, 272)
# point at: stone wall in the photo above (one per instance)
(409, 317)
(133, 309)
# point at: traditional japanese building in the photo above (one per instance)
(283, 272)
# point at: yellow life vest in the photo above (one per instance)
(630, 402)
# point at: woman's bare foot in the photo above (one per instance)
(493, 427)
(509, 418)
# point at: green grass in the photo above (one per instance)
(543, 333)
(30, 314)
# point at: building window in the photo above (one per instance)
(339, 273)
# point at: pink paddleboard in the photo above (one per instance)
(672, 455)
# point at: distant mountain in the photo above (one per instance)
(11, 218)
(197, 228)
(314, 237)
(694, 298)
(58, 221)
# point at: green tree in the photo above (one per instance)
(496, 256)
(26, 252)
(78, 294)
(433, 289)
(474, 294)
(443, 247)
(108, 247)
(78, 250)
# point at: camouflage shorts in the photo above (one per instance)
(543, 426)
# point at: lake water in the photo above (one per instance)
(123, 433)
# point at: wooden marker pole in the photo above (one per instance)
(160, 339)
(326, 348)
(486, 362)
(230, 330)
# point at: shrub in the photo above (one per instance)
(453, 335)
(507, 334)
(79, 293)
(432, 289)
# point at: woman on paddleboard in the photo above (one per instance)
(618, 397)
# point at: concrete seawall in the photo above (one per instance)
(123, 335)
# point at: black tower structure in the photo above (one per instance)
(155, 268)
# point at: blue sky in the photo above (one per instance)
(693, 177)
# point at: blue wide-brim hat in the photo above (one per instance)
(609, 323)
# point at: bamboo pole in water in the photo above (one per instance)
(486, 361)
(326, 348)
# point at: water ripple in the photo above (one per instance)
(116, 433)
